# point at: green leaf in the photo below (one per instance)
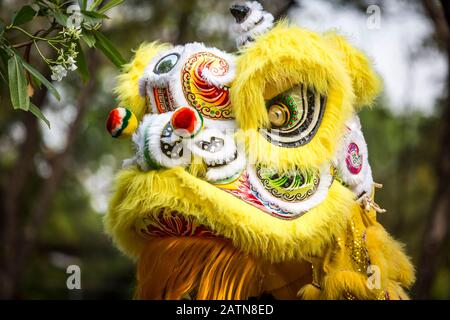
(2, 27)
(95, 4)
(42, 79)
(36, 82)
(95, 15)
(88, 38)
(90, 23)
(17, 84)
(83, 4)
(111, 4)
(25, 14)
(60, 17)
(108, 49)
(81, 64)
(38, 113)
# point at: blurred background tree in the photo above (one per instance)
(58, 180)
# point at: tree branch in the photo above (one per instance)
(10, 192)
(43, 200)
(437, 14)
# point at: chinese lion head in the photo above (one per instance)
(250, 174)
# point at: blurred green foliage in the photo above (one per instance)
(62, 26)
(402, 152)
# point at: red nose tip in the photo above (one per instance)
(184, 118)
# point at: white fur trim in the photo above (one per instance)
(361, 181)
(256, 13)
(128, 163)
(250, 28)
(366, 186)
(151, 127)
(231, 169)
(225, 155)
(139, 143)
(226, 79)
(296, 208)
(154, 136)
(149, 78)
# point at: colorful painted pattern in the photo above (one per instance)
(163, 100)
(242, 189)
(211, 101)
(171, 224)
(290, 188)
(354, 159)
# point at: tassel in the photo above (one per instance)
(198, 268)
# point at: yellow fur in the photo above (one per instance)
(309, 292)
(127, 88)
(131, 127)
(140, 194)
(337, 273)
(389, 254)
(366, 83)
(278, 60)
(309, 156)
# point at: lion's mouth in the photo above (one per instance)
(284, 197)
(221, 162)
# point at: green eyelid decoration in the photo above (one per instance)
(166, 63)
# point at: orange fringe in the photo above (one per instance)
(197, 268)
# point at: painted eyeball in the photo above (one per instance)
(165, 64)
(295, 116)
(279, 114)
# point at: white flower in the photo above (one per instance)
(71, 32)
(58, 72)
(72, 63)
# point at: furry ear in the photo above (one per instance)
(366, 83)
(127, 88)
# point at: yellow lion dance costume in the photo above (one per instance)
(251, 173)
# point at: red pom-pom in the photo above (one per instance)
(114, 120)
(184, 118)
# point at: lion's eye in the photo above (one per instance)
(165, 64)
(279, 114)
(295, 116)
